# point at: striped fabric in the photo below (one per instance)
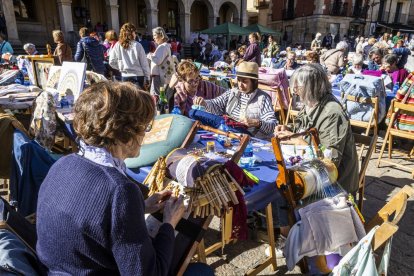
(405, 120)
(238, 105)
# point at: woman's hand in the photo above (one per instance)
(174, 210)
(156, 201)
(199, 101)
(294, 141)
(251, 122)
(279, 129)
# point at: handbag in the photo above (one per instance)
(86, 59)
(166, 69)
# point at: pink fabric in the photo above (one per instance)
(275, 78)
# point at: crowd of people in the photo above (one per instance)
(97, 231)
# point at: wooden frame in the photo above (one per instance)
(370, 142)
(391, 131)
(282, 115)
(291, 113)
(41, 67)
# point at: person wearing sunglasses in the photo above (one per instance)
(246, 104)
(189, 85)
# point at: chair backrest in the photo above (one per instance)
(292, 109)
(277, 99)
(370, 142)
(389, 216)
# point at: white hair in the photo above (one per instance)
(318, 35)
(28, 46)
(358, 59)
(314, 82)
(159, 31)
(342, 45)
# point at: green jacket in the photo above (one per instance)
(335, 133)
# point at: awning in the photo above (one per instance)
(397, 27)
(262, 29)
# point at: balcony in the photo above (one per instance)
(338, 8)
(261, 4)
(288, 14)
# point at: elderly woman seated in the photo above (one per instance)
(357, 64)
(188, 84)
(97, 224)
(334, 59)
(246, 104)
(375, 58)
(323, 112)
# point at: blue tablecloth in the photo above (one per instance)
(257, 197)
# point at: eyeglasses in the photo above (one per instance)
(193, 81)
(149, 126)
(297, 89)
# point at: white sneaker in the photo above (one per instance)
(279, 252)
(280, 245)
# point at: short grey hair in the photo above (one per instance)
(358, 59)
(390, 59)
(342, 45)
(28, 46)
(159, 31)
(313, 81)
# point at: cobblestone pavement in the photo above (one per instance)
(381, 184)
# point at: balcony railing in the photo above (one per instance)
(338, 8)
(288, 14)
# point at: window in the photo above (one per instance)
(381, 11)
(398, 13)
(142, 16)
(24, 9)
(171, 19)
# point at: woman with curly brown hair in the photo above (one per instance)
(128, 57)
(90, 216)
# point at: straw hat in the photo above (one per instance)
(248, 70)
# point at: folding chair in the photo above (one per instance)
(291, 113)
(395, 108)
(389, 216)
(373, 120)
(278, 106)
(370, 142)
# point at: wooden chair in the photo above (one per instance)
(291, 113)
(278, 106)
(396, 107)
(370, 143)
(389, 216)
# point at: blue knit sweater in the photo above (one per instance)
(90, 221)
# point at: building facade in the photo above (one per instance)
(33, 20)
(300, 20)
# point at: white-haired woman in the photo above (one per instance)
(357, 64)
(162, 52)
(30, 49)
(325, 113)
(316, 44)
(334, 59)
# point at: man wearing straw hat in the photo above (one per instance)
(246, 103)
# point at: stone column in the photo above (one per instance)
(12, 33)
(152, 19)
(65, 16)
(245, 19)
(112, 11)
(185, 26)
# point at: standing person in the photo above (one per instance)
(252, 53)
(3, 26)
(359, 48)
(97, 225)
(144, 42)
(162, 52)
(327, 41)
(272, 48)
(316, 44)
(195, 50)
(5, 46)
(89, 50)
(63, 50)
(111, 38)
(208, 48)
(128, 56)
(397, 37)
